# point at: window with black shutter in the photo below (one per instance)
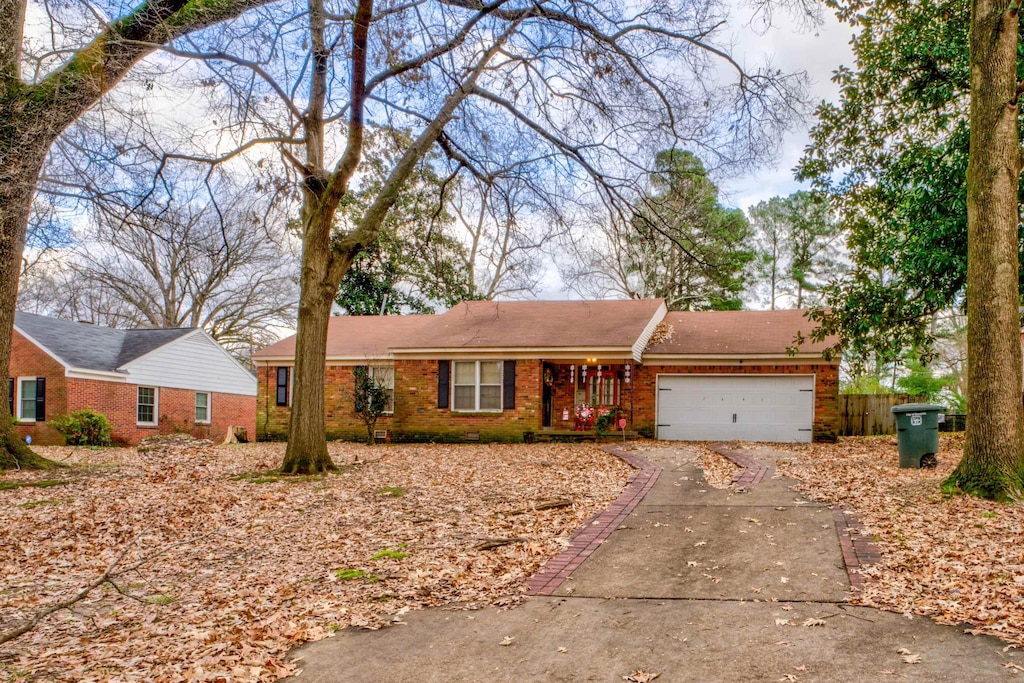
(282, 385)
(508, 387)
(40, 399)
(443, 386)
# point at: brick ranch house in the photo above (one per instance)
(501, 371)
(145, 382)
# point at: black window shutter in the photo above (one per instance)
(282, 385)
(508, 389)
(443, 378)
(355, 376)
(40, 399)
(10, 394)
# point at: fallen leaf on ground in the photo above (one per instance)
(230, 604)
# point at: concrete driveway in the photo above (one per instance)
(685, 581)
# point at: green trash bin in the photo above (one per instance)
(917, 431)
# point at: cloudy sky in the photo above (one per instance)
(817, 51)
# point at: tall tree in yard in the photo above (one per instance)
(679, 244)
(905, 157)
(553, 75)
(34, 111)
(993, 461)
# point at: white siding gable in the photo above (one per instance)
(194, 361)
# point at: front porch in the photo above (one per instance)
(576, 394)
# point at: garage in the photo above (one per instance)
(735, 407)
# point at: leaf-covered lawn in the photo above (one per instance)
(956, 559)
(254, 564)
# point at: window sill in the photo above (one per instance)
(477, 412)
(26, 422)
(146, 425)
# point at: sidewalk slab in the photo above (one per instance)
(686, 539)
(683, 640)
(667, 616)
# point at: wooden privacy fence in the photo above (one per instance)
(870, 414)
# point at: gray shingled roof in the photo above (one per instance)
(91, 347)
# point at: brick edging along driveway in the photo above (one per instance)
(599, 527)
(858, 550)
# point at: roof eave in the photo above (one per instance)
(703, 358)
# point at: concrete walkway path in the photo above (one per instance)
(683, 580)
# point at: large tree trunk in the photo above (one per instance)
(19, 167)
(32, 117)
(992, 464)
(307, 445)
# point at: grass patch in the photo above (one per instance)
(43, 502)
(352, 574)
(41, 484)
(388, 554)
(393, 491)
(161, 599)
(267, 477)
(271, 476)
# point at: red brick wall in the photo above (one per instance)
(341, 420)
(826, 390)
(118, 402)
(416, 416)
(28, 360)
(175, 408)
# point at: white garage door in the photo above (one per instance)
(741, 407)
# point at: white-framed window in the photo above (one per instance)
(604, 391)
(27, 399)
(146, 412)
(203, 407)
(476, 386)
(385, 375)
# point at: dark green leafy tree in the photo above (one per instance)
(680, 245)
(891, 155)
(922, 156)
(416, 263)
(798, 244)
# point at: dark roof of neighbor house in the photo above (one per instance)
(93, 347)
(537, 324)
(358, 336)
(741, 333)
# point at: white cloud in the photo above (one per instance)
(819, 52)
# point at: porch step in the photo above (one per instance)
(573, 435)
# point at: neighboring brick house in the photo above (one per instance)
(501, 371)
(144, 381)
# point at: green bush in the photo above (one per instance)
(83, 428)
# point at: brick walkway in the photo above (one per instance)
(858, 550)
(753, 470)
(599, 527)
